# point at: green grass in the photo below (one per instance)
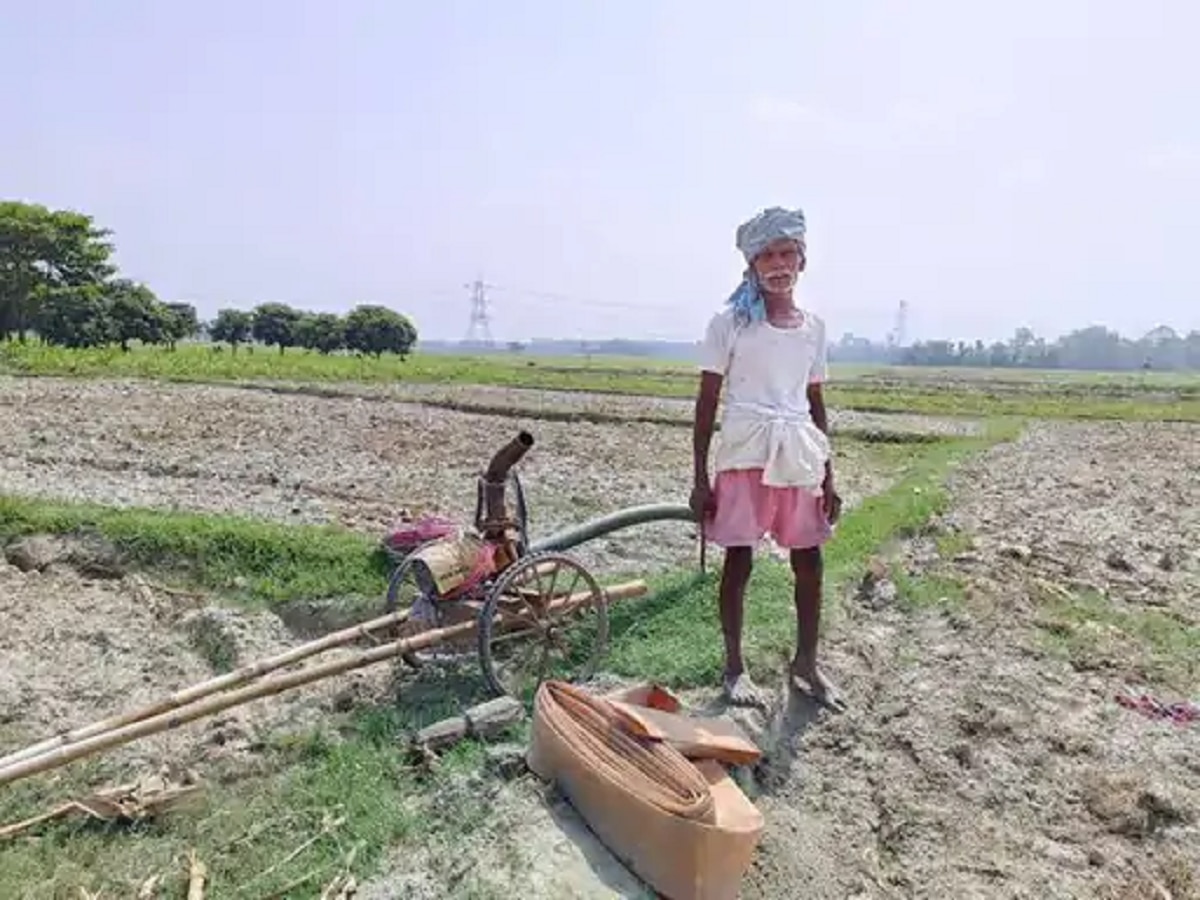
(952, 543)
(1092, 631)
(201, 363)
(247, 829)
(927, 591)
(954, 400)
(1123, 381)
(255, 561)
(675, 636)
(251, 821)
(969, 392)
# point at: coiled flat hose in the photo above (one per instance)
(653, 770)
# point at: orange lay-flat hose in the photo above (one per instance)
(594, 729)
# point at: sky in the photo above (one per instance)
(992, 165)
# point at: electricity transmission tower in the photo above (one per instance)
(899, 333)
(479, 329)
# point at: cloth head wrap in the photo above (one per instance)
(752, 238)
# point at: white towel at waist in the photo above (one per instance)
(789, 448)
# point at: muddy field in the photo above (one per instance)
(359, 460)
(983, 753)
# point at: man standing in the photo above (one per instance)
(773, 467)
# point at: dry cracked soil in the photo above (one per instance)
(982, 753)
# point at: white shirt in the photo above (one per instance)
(766, 421)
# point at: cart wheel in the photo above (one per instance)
(524, 641)
(404, 593)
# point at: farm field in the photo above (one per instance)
(224, 450)
(931, 391)
(1024, 571)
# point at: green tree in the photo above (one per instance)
(136, 314)
(323, 332)
(376, 330)
(232, 327)
(182, 323)
(75, 317)
(1192, 349)
(275, 324)
(42, 251)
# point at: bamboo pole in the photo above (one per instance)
(57, 813)
(270, 686)
(197, 875)
(211, 686)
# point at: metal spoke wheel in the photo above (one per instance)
(544, 618)
(425, 613)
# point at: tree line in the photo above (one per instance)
(367, 329)
(1091, 349)
(58, 282)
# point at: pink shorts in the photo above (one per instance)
(748, 510)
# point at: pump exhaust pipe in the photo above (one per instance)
(508, 456)
(491, 507)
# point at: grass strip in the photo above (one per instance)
(675, 635)
(342, 800)
(255, 561)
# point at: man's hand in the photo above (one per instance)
(703, 502)
(830, 500)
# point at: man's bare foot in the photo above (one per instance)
(740, 690)
(812, 681)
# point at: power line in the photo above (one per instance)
(714, 302)
(483, 305)
(552, 297)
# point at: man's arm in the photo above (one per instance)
(705, 422)
(816, 396)
(816, 407)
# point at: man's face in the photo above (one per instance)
(779, 265)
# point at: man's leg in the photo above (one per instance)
(808, 567)
(735, 576)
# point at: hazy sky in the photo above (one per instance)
(993, 164)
